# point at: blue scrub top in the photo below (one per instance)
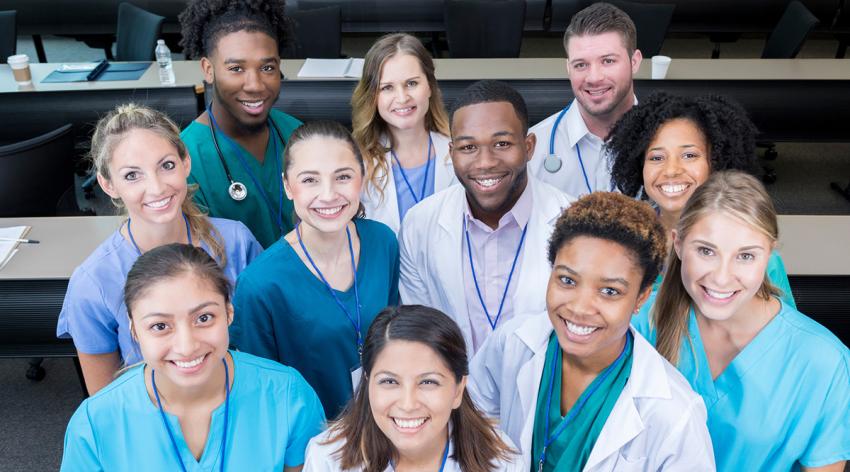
(783, 402)
(417, 176)
(284, 312)
(273, 413)
(93, 313)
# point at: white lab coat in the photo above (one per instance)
(385, 209)
(431, 242)
(658, 423)
(324, 458)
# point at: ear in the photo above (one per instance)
(461, 387)
(637, 57)
(530, 144)
(567, 67)
(229, 314)
(106, 185)
(187, 162)
(677, 243)
(642, 298)
(286, 188)
(133, 334)
(207, 68)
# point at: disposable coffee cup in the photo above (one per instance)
(20, 65)
(659, 66)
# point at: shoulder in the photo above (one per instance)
(115, 397)
(321, 451)
(432, 206)
(287, 123)
(269, 376)
(194, 133)
(822, 349)
(277, 259)
(544, 126)
(665, 391)
(105, 264)
(375, 230)
(231, 229)
(550, 195)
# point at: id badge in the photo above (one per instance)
(356, 375)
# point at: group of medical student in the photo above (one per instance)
(440, 290)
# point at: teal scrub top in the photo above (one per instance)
(284, 312)
(273, 413)
(208, 173)
(783, 402)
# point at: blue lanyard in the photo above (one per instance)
(578, 147)
(574, 411)
(244, 163)
(354, 322)
(424, 181)
(442, 464)
(133, 240)
(168, 428)
(490, 320)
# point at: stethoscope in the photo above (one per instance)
(237, 190)
(552, 163)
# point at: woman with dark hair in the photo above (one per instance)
(309, 299)
(411, 410)
(191, 404)
(574, 386)
(668, 145)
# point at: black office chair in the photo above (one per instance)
(136, 35)
(787, 38)
(651, 21)
(34, 174)
(318, 32)
(484, 28)
(8, 34)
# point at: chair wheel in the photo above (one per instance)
(770, 154)
(36, 373)
(769, 176)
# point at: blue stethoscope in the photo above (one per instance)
(552, 163)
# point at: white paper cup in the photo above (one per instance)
(20, 65)
(659, 66)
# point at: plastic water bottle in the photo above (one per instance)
(163, 60)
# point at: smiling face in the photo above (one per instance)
(676, 163)
(723, 265)
(403, 93)
(489, 153)
(181, 326)
(593, 291)
(323, 180)
(244, 69)
(600, 71)
(148, 176)
(412, 394)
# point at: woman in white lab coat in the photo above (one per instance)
(574, 386)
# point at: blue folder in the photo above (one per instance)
(117, 71)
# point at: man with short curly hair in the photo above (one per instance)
(237, 143)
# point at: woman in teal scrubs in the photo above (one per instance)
(191, 404)
(776, 383)
(666, 147)
(309, 299)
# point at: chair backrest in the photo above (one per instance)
(651, 22)
(318, 31)
(35, 173)
(8, 34)
(137, 33)
(786, 40)
(484, 28)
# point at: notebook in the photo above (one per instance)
(9, 248)
(334, 68)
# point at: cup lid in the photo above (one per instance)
(17, 58)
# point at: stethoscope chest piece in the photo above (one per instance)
(552, 163)
(237, 191)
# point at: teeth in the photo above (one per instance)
(597, 92)
(580, 330)
(488, 182)
(673, 188)
(409, 424)
(252, 104)
(329, 211)
(720, 295)
(403, 110)
(190, 364)
(160, 203)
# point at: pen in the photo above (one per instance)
(16, 240)
(98, 70)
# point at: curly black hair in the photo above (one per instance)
(729, 132)
(204, 22)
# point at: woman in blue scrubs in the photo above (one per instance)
(666, 147)
(776, 383)
(191, 405)
(142, 164)
(309, 299)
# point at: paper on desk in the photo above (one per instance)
(335, 68)
(9, 248)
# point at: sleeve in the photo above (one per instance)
(316, 459)
(687, 444)
(485, 373)
(830, 441)
(252, 246)
(80, 449)
(779, 278)
(252, 330)
(411, 287)
(306, 419)
(394, 257)
(86, 317)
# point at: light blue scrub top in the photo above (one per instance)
(783, 401)
(273, 413)
(93, 313)
(416, 176)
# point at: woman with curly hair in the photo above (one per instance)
(574, 386)
(237, 143)
(666, 147)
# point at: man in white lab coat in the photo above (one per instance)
(478, 251)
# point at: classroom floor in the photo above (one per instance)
(34, 414)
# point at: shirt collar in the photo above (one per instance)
(520, 212)
(576, 127)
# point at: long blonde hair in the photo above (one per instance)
(368, 126)
(113, 128)
(733, 193)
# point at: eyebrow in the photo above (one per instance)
(494, 135)
(425, 374)
(170, 315)
(661, 148)
(315, 172)
(233, 60)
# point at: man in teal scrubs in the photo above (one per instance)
(237, 144)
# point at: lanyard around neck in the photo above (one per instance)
(442, 463)
(354, 321)
(424, 180)
(133, 240)
(168, 428)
